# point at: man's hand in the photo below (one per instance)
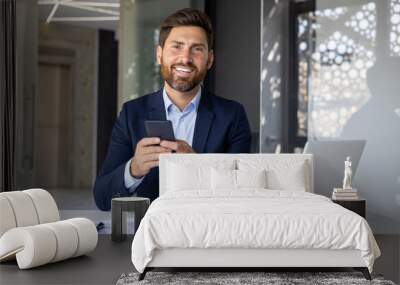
(179, 146)
(146, 156)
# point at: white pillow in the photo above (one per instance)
(290, 179)
(223, 179)
(251, 178)
(235, 179)
(282, 174)
(182, 178)
(188, 176)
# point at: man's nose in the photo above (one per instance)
(186, 56)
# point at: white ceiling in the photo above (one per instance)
(97, 14)
(80, 12)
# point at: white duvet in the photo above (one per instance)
(253, 218)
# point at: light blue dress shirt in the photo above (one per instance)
(183, 123)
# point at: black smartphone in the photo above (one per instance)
(160, 129)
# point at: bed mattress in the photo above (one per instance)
(250, 219)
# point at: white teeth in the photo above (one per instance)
(183, 69)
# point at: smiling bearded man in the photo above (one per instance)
(202, 122)
(176, 78)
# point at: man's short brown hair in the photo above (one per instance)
(186, 17)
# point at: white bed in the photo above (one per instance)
(213, 212)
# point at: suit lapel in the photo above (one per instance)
(156, 109)
(203, 123)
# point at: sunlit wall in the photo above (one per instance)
(273, 35)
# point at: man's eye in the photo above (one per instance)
(198, 49)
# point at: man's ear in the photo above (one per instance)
(159, 54)
(210, 59)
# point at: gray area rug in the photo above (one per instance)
(273, 278)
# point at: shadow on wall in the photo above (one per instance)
(378, 121)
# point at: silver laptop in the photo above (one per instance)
(329, 157)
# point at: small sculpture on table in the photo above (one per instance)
(347, 192)
(347, 174)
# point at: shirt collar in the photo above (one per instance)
(195, 101)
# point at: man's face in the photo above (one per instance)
(185, 58)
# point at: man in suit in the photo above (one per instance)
(202, 122)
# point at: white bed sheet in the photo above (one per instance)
(250, 218)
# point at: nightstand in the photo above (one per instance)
(120, 207)
(358, 206)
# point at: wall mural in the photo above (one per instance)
(395, 30)
(333, 67)
(349, 61)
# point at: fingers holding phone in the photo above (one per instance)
(146, 156)
(161, 139)
(178, 146)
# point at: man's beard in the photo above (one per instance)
(182, 84)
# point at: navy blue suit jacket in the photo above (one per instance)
(221, 127)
